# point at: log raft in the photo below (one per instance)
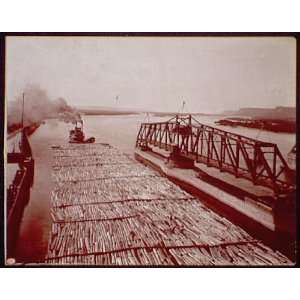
(108, 209)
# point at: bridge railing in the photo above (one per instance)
(258, 161)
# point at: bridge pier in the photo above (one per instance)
(177, 160)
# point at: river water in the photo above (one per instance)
(119, 131)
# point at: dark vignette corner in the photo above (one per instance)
(2, 71)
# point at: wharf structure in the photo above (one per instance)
(18, 191)
(108, 209)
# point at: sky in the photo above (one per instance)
(211, 74)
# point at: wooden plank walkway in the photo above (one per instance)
(108, 209)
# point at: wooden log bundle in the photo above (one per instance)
(108, 209)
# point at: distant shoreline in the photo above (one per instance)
(100, 112)
(105, 112)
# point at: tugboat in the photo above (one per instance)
(77, 135)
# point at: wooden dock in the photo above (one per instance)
(108, 209)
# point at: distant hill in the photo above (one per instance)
(102, 110)
(172, 114)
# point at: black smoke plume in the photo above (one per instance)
(37, 108)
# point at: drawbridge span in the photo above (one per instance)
(244, 157)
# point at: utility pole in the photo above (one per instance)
(21, 142)
(183, 104)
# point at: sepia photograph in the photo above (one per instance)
(158, 150)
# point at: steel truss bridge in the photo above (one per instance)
(244, 157)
